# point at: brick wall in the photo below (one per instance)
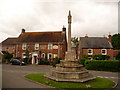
(96, 52)
(30, 47)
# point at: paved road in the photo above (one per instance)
(13, 75)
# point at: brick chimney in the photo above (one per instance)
(64, 28)
(86, 36)
(110, 38)
(23, 30)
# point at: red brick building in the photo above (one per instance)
(39, 44)
(9, 45)
(95, 46)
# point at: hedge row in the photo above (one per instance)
(103, 65)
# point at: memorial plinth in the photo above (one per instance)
(69, 70)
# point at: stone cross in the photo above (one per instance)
(69, 32)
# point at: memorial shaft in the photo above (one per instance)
(69, 32)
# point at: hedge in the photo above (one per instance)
(82, 61)
(103, 65)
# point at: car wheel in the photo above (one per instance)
(11, 63)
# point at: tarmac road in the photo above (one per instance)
(12, 75)
(0, 76)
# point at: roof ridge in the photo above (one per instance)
(45, 32)
(12, 37)
(93, 37)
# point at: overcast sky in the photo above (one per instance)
(92, 17)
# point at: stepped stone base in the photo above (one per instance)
(69, 80)
(69, 70)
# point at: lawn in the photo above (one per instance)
(97, 83)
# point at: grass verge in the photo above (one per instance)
(97, 83)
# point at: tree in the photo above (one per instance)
(75, 42)
(116, 41)
(118, 56)
(7, 56)
(26, 59)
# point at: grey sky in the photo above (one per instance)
(92, 17)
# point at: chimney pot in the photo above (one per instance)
(109, 37)
(64, 28)
(86, 36)
(23, 30)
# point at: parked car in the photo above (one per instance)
(17, 62)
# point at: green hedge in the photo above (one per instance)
(82, 61)
(103, 65)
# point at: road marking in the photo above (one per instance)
(106, 77)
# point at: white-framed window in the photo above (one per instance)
(43, 55)
(90, 51)
(49, 55)
(23, 55)
(50, 46)
(104, 51)
(36, 46)
(24, 46)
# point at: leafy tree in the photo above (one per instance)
(75, 41)
(26, 59)
(118, 56)
(7, 56)
(27, 53)
(116, 41)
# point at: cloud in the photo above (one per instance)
(92, 18)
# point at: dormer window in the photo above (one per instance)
(36, 46)
(50, 46)
(90, 51)
(24, 46)
(104, 51)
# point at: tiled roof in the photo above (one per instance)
(41, 37)
(95, 42)
(9, 41)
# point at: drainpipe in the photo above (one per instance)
(16, 50)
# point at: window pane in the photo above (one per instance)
(36, 46)
(49, 46)
(89, 51)
(103, 51)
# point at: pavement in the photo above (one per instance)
(0, 76)
(12, 75)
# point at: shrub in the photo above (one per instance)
(82, 61)
(118, 56)
(103, 65)
(44, 62)
(97, 57)
(56, 61)
(26, 60)
(7, 56)
(101, 57)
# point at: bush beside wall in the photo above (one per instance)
(82, 61)
(103, 65)
(56, 61)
